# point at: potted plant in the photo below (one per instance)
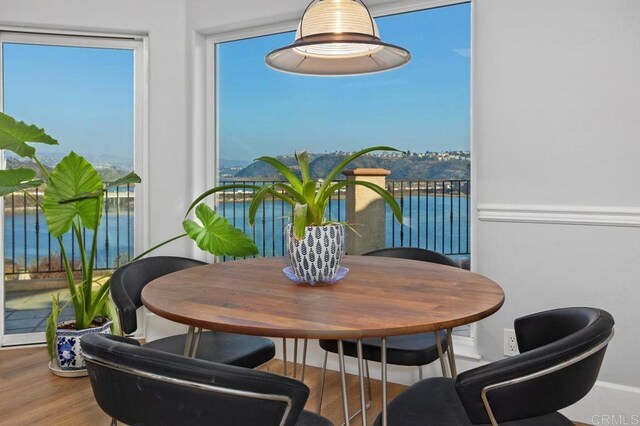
(315, 243)
(73, 203)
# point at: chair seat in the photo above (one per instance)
(435, 402)
(307, 418)
(413, 349)
(225, 348)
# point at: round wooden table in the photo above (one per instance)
(380, 297)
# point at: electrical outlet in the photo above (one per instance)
(510, 343)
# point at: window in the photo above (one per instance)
(84, 92)
(423, 108)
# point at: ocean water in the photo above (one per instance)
(440, 224)
(27, 240)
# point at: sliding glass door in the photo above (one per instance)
(82, 90)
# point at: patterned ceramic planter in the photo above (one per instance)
(316, 258)
(68, 352)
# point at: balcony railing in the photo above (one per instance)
(30, 249)
(436, 216)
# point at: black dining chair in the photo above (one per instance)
(411, 350)
(140, 386)
(561, 352)
(127, 283)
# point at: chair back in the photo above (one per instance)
(414, 253)
(561, 352)
(127, 282)
(142, 386)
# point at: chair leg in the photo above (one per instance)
(295, 357)
(114, 422)
(196, 342)
(420, 373)
(369, 394)
(343, 382)
(304, 359)
(284, 355)
(452, 357)
(324, 374)
(445, 372)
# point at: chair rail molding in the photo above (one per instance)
(560, 214)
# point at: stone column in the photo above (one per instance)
(365, 211)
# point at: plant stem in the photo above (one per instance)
(71, 283)
(45, 173)
(92, 255)
(35, 200)
(86, 282)
(143, 254)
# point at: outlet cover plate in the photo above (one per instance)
(510, 343)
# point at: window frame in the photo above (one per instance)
(139, 45)
(207, 173)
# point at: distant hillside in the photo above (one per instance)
(429, 166)
(107, 173)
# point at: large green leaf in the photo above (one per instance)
(14, 136)
(223, 188)
(292, 196)
(216, 235)
(13, 180)
(51, 325)
(303, 162)
(125, 180)
(309, 191)
(284, 171)
(299, 220)
(258, 197)
(344, 163)
(388, 198)
(72, 176)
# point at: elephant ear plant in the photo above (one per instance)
(73, 203)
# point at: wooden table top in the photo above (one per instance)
(380, 296)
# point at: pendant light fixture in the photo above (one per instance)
(337, 38)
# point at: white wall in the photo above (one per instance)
(164, 21)
(557, 124)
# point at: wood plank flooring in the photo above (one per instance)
(31, 395)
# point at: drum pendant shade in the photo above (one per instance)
(337, 38)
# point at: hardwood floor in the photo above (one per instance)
(31, 395)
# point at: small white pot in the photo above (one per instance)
(68, 352)
(316, 258)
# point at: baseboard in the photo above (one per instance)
(607, 404)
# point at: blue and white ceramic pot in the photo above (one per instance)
(68, 353)
(316, 258)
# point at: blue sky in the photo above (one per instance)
(423, 106)
(82, 96)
